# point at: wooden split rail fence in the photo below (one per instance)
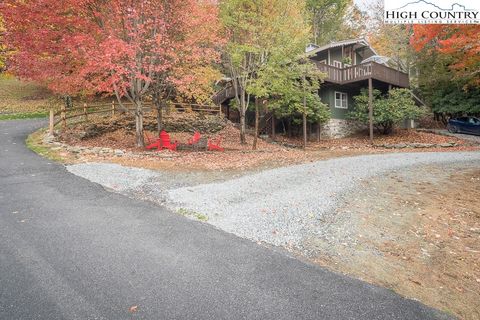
(61, 116)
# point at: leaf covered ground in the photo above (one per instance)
(284, 151)
(418, 233)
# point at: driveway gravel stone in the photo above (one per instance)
(281, 206)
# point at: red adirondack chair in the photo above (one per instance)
(165, 141)
(196, 137)
(162, 142)
(214, 145)
(152, 144)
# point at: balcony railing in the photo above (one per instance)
(364, 71)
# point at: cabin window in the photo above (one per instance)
(341, 100)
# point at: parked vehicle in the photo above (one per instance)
(469, 125)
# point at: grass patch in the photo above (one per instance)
(34, 142)
(194, 214)
(22, 97)
(23, 115)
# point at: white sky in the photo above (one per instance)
(445, 3)
(361, 3)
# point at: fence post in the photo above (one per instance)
(64, 117)
(85, 111)
(113, 108)
(51, 122)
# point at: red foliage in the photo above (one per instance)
(91, 46)
(460, 41)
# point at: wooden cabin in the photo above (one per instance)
(348, 65)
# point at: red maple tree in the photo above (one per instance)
(124, 47)
(462, 42)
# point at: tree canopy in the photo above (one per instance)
(3, 47)
(326, 18)
(120, 46)
(459, 42)
(262, 35)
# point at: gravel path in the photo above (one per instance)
(468, 137)
(280, 206)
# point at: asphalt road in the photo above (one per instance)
(71, 250)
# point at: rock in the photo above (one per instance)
(421, 145)
(106, 150)
(48, 139)
(119, 152)
(74, 149)
(448, 145)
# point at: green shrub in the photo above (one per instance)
(388, 110)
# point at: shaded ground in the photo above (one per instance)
(239, 157)
(416, 231)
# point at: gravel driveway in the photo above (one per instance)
(468, 137)
(280, 206)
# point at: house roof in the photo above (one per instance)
(360, 41)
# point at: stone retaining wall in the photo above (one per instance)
(339, 128)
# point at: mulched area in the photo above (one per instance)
(284, 151)
(363, 141)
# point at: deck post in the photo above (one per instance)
(51, 122)
(370, 108)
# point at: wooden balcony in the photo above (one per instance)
(363, 72)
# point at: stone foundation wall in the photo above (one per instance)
(339, 128)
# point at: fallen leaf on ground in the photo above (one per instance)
(133, 309)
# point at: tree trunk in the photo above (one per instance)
(159, 120)
(319, 131)
(140, 141)
(159, 104)
(257, 116)
(160, 117)
(273, 127)
(304, 115)
(304, 130)
(243, 111)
